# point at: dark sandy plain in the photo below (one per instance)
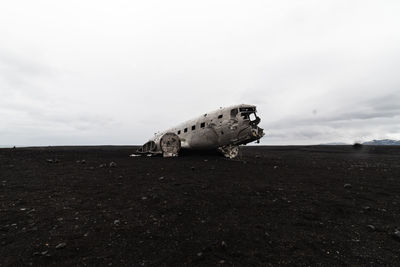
(295, 206)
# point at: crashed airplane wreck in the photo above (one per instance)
(223, 129)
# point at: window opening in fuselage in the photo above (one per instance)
(248, 109)
(193, 127)
(234, 112)
(203, 124)
(185, 130)
(220, 116)
(179, 132)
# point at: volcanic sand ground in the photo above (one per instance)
(314, 205)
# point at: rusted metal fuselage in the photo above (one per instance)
(223, 129)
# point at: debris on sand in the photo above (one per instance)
(112, 164)
(61, 245)
(396, 235)
(52, 160)
(371, 227)
(223, 244)
(347, 186)
(81, 161)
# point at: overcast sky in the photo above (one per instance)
(115, 72)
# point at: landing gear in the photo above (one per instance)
(229, 151)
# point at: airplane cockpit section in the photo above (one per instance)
(224, 129)
(249, 113)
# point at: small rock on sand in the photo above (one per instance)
(396, 235)
(61, 245)
(113, 164)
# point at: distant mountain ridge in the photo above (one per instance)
(335, 144)
(383, 142)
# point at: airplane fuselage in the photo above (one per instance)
(226, 127)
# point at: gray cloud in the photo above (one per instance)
(23, 75)
(362, 120)
(115, 73)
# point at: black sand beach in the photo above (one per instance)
(300, 205)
